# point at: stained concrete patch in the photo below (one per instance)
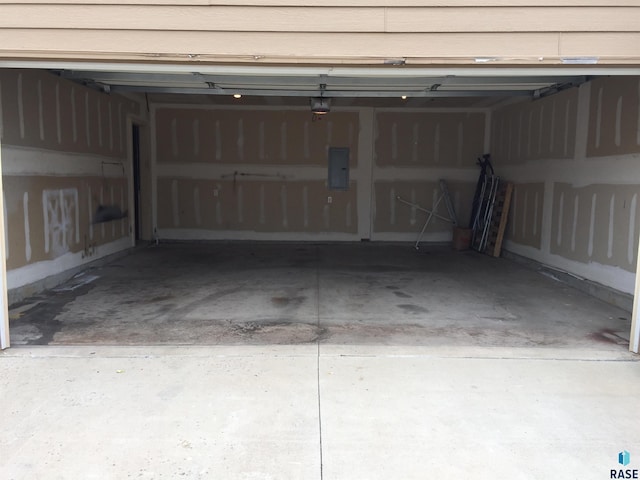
(25, 334)
(401, 294)
(76, 282)
(413, 309)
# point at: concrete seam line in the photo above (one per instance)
(318, 358)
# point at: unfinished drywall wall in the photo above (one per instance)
(413, 151)
(64, 153)
(614, 117)
(261, 172)
(536, 130)
(256, 173)
(576, 162)
(525, 214)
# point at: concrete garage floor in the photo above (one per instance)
(318, 362)
(264, 294)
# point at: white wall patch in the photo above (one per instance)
(218, 141)
(110, 112)
(436, 144)
(6, 225)
(305, 205)
(217, 194)
(283, 141)
(618, 137)
(283, 201)
(240, 199)
(196, 205)
(392, 206)
(87, 119)
(122, 222)
(631, 249)
(20, 106)
(514, 211)
(536, 206)
(599, 118)
(261, 140)
(1, 121)
(412, 215)
(394, 142)
(525, 213)
(74, 115)
(40, 110)
(120, 129)
(99, 109)
(61, 220)
(175, 205)
(196, 137)
(113, 224)
(574, 227)
(638, 122)
(461, 141)
(560, 219)
(58, 115)
(262, 219)
(612, 206)
(174, 137)
(240, 140)
(529, 135)
(27, 227)
(305, 140)
(90, 212)
(592, 225)
(540, 129)
(415, 141)
(566, 128)
(519, 139)
(553, 126)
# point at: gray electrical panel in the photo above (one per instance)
(338, 168)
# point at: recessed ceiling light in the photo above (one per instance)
(403, 97)
(237, 95)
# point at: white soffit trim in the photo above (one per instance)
(402, 71)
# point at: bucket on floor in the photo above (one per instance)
(461, 238)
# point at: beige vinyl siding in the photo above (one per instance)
(422, 32)
(322, 19)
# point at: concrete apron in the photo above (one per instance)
(317, 412)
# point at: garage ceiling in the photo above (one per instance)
(366, 83)
(332, 85)
(348, 86)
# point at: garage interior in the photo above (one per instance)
(221, 182)
(206, 280)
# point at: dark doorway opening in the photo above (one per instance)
(136, 177)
